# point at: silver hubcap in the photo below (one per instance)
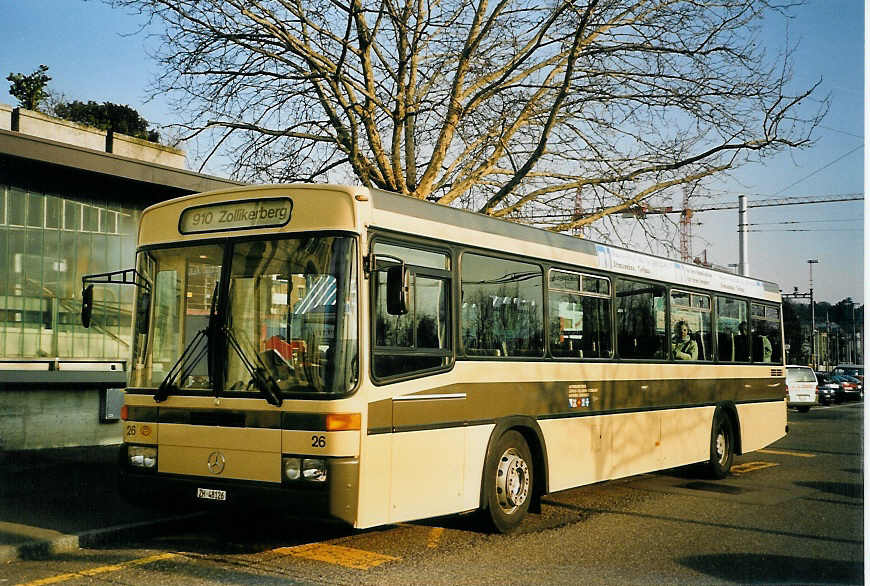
(512, 481)
(721, 447)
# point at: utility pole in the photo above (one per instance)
(813, 363)
(743, 235)
(854, 356)
(828, 340)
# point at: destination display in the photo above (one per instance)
(236, 215)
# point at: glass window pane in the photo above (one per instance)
(680, 298)
(766, 334)
(731, 330)
(391, 330)
(16, 207)
(35, 210)
(701, 301)
(640, 320)
(579, 326)
(293, 308)
(597, 285)
(502, 307)
(72, 215)
(565, 280)
(414, 256)
(430, 312)
(107, 221)
(52, 211)
(40, 282)
(403, 341)
(90, 219)
(690, 327)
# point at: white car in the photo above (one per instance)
(802, 387)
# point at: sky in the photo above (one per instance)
(95, 52)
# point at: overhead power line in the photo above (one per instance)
(757, 203)
(823, 167)
(807, 230)
(830, 221)
(643, 210)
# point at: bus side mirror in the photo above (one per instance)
(87, 305)
(142, 312)
(397, 290)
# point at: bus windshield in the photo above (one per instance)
(289, 317)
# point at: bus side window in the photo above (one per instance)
(503, 307)
(766, 334)
(640, 320)
(579, 315)
(419, 340)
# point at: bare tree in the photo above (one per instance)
(510, 107)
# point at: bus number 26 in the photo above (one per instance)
(318, 441)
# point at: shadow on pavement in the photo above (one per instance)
(773, 569)
(849, 489)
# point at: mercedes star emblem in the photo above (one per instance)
(216, 462)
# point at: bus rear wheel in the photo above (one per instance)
(508, 482)
(721, 445)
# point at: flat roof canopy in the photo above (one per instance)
(25, 157)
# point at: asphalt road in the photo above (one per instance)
(792, 513)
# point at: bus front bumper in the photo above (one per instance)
(334, 499)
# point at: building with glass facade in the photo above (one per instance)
(68, 210)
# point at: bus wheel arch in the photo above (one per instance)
(731, 410)
(516, 436)
(724, 440)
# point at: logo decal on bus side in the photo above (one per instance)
(580, 396)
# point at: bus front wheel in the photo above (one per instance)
(508, 478)
(721, 445)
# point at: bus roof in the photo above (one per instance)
(390, 211)
(481, 230)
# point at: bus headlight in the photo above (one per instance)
(292, 468)
(142, 457)
(314, 469)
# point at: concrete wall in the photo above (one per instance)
(36, 419)
(38, 124)
(43, 126)
(5, 117)
(143, 150)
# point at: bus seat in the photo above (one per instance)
(726, 347)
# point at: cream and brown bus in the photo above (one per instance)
(361, 355)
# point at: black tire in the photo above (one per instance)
(804, 409)
(508, 479)
(721, 445)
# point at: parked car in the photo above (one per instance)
(856, 370)
(829, 391)
(802, 387)
(852, 387)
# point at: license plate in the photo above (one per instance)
(211, 494)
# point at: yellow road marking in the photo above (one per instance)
(751, 467)
(784, 453)
(102, 569)
(348, 557)
(434, 537)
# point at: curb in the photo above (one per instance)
(43, 549)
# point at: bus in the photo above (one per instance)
(360, 355)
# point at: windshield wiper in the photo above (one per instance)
(182, 367)
(190, 356)
(261, 376)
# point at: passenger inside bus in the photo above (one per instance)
(684, 347)
(741, 344)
